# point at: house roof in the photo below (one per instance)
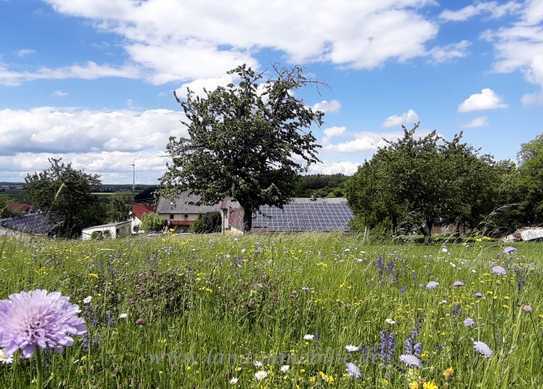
(36, 223)
(185, 202)
(19, 207)
(140, 209)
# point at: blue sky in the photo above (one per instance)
(92, 80)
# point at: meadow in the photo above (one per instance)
(312, 310)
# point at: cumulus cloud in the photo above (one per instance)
(440, 54)
(186, 40)
(88, 71)
(25, 52)
(337, 167)
(407, 118)
(363, 142)
(332, 132)
(492, 9)
(327, 106)
(480, 121)
(103, 142)
(487, 99)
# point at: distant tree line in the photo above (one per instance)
(417, 181)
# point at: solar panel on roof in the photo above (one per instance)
(304, 216)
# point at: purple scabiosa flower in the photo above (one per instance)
(483, 349)
(499, 270)
(469, 322)
(410, 360)
(458, 284)
(353, 370)
(380, 265)
(509, 250)
(432, 285)
(38, 319)
(478, 295)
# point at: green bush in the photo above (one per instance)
(152, 222)
(207, 223)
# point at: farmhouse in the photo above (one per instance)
(107, 231)
(180, 213)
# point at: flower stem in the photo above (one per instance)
(39, 361)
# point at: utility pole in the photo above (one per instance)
(133, 177)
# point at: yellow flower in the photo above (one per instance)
(448, 373)
(429, 385)
(414, 385)
(326, 378)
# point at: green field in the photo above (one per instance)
(204, 310)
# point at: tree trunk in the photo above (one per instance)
(247, 219)
(428, 231)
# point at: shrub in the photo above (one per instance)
(207, 223)
(152, 222)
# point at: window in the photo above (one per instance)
(186, 216)
(171, 216)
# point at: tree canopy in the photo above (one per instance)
(66, 193)
(248, 141)
(415, 181)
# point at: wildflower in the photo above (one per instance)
(482, 348)
(410, 360)
(329, 379)
(458, 284)
(499, 270)
(87, 300)
(140, 322)
(260, 375)
(390, 321)
(123, 316)
(413, 385)
(233, 381)
(388, 343)
(4, 359)
(444, 249)
(432, 285)
(352, 349)
(448, 373)
(469, 322)
(509, 250)
(478, 295)
(526, 308)
(429, 385)
(309, 337)
(353, 370)
(38, 319)
(258, 364)
(284, 369)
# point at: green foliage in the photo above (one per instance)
(321, 185)
(531, 177)
(118, 207)
(201, 309)
(152, 222)
(207, 223)
(67, 193)
(246, 141)
(4, 210)
(414, 181)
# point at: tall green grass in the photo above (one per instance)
(202, 310)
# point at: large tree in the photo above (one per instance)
(416, 180)
(66, 194)
(248, 140)
(531, 173)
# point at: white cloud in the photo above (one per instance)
(25, 52)
(88, 71)
(487, 99)
(407, 118)
(491, 8)
(480, 121)
(198, 86)
(59, 93)
(332, 132)
(186, 40)
(53, 130)
(363, 142)
(453, 51)
(339, 167)
(327, 106)
(103, 142)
